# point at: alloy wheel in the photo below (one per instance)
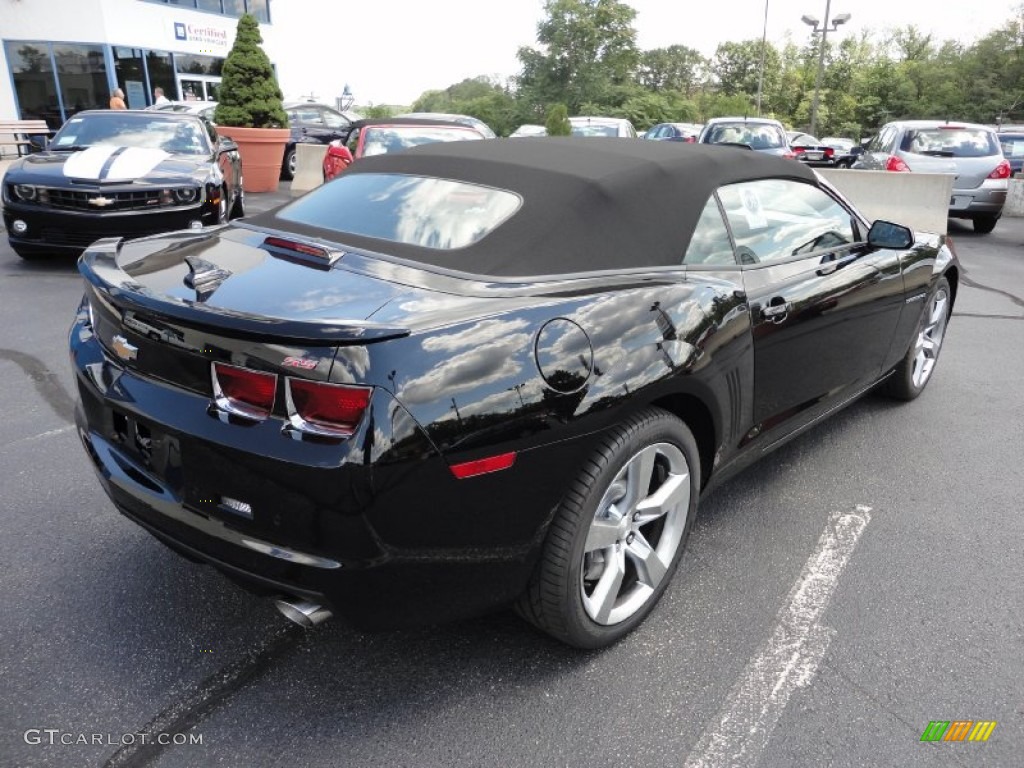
(635, 533)
(929, 340)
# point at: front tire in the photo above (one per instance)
(618, 534)
(916, 368)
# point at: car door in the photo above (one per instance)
(875, 156)
(824, 306)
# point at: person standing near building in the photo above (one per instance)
(117, 99)
(158, 96)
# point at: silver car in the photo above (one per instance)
(969, 151)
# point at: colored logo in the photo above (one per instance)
(123, 349)
(958, 730)
(179, 31)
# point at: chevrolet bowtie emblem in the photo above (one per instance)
(123, 349)
(101, 201)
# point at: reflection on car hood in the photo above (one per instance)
(104, 164)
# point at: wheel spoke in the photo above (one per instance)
(603, 533)
(649, 567)
(638, 479)
(602, 600)
(673, 492)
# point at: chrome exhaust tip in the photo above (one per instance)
(302, 612)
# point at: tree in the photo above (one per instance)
(249, 96)
(557, 122)
(587, 48)
(676, 68)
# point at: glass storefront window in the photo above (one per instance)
(82, 74)
(34, 83)
(234, 8)
(190, 64)
(161, 73)
(131, 76)
(209, 5)
(260, 9)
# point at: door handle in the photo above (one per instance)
(776, 310)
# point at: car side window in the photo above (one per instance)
(353, 141)
(334, 119)
(775, 219)
(710, 244)
(308, 116)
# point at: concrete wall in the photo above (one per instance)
(1014, 198)
(916, 200)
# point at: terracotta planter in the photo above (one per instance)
(262, 151)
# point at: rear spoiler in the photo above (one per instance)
(98, 265)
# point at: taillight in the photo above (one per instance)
(690, 140)
(895, 164)
(325, 410)
(829, 152)
(799, 150)
(789, 155)
(243, 392)
(1002, 170)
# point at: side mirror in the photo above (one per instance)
(886, 234)
(224, 144)
(341, 153)
(38, 142)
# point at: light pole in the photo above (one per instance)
(824, 29)
(760, 76)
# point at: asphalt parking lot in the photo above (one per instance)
(110, 644)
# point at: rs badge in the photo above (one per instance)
(123, 349)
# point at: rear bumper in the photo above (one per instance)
(385, 538)
(986, 200)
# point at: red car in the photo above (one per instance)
(394, 134)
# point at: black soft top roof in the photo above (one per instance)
(588, 203)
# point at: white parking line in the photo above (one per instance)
(789, 658)
(40, 436)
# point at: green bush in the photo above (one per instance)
(249, 96)
(557, 121)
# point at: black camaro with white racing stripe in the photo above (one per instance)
(120, 173)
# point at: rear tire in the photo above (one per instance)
(618, 534)
(985, 224)
(915, 369)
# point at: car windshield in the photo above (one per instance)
(951, 141)
(754, 135)
(146, 130)
(595, 129)
(416, 210)
(380, 140)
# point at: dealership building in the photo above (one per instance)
(62, 56)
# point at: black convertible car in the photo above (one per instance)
(124, 173)
(492, 373)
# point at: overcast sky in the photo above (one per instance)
(390, 51)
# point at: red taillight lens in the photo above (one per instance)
(1002, 171)
(789, 155)
(243, 392)
(799, 150)
(330, 410)
(483, 466)
(895, 164)
(829, 152)
(690, 140)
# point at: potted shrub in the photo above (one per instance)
(249, 109)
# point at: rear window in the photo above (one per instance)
(757, 136)
(950, 142)
(595, 129)
(415, 210)
(1013, 146)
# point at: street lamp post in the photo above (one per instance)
(824, 29)
(760, 76)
